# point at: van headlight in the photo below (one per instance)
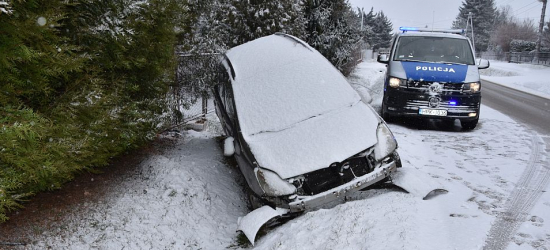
(473, 87)
(386, 142)
(396, 82)
(272, 184)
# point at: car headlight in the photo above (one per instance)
(473, 87)
(272, 184)
(396, 82)
(386, 142)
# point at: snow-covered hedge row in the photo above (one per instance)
(80, 82)
(522, 46)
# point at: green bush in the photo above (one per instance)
(82, 81)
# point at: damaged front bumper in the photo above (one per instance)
(304, 203)
(252, 222)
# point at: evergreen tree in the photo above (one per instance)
(82, 81)
(368, 24)
(333, 29)
(248, 20)
(382, 29)
(483, 15)
(34, 60)
(546, 36)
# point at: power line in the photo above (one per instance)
(508, 2)
(524, 6)
(528, 10)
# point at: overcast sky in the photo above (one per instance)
(442, 13)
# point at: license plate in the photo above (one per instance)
(434, 112)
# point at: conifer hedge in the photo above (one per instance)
(81, 81)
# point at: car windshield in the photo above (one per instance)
(434, 49)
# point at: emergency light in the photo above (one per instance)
(452, 31)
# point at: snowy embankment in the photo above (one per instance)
(192, 200)
(529, 78)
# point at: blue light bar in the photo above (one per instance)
(452, 31)
(408, 28)
(452, 103)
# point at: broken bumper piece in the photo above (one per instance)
(303, 203)
(418, 183)
(253, 221)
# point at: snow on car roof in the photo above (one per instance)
(296, 111)
(280, 81)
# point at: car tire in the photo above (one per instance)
(255, 202)
(469, 125)
(397, 159)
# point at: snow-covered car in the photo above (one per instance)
(301, 135)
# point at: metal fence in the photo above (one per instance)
(542, 58)
(190, 95)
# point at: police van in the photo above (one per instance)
(432, 74)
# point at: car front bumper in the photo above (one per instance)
(304, 203)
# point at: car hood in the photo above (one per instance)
(280, 82)
(317, 142)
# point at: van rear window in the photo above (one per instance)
(434, 49)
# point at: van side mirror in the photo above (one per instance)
(483, 64)
(364, 94)
(384, 58)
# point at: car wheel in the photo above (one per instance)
(397, 159)
(255, 201)
(469, 125)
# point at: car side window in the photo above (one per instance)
(225, 92)
(228, 100)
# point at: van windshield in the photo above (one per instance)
(434, 49)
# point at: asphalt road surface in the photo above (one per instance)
(531, 110)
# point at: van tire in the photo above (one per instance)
(387, 117)
(469, 125)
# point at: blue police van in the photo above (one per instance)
(432, 74)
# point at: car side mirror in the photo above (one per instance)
(364, 94)
(228, 146)
(384, 58)
(483, 64)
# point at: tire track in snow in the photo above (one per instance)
(525, 195)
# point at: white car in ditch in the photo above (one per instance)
(301, 135)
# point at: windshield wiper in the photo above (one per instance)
(410, 60)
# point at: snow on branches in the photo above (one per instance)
(4, 7)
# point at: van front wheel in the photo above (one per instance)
(387, 117)
(469, 125)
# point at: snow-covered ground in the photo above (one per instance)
(526, 77)
(191, 199)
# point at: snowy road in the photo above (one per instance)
(187, 198)
(534, 111)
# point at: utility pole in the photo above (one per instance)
(541, 26)
(362, 18)
(470, 22)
